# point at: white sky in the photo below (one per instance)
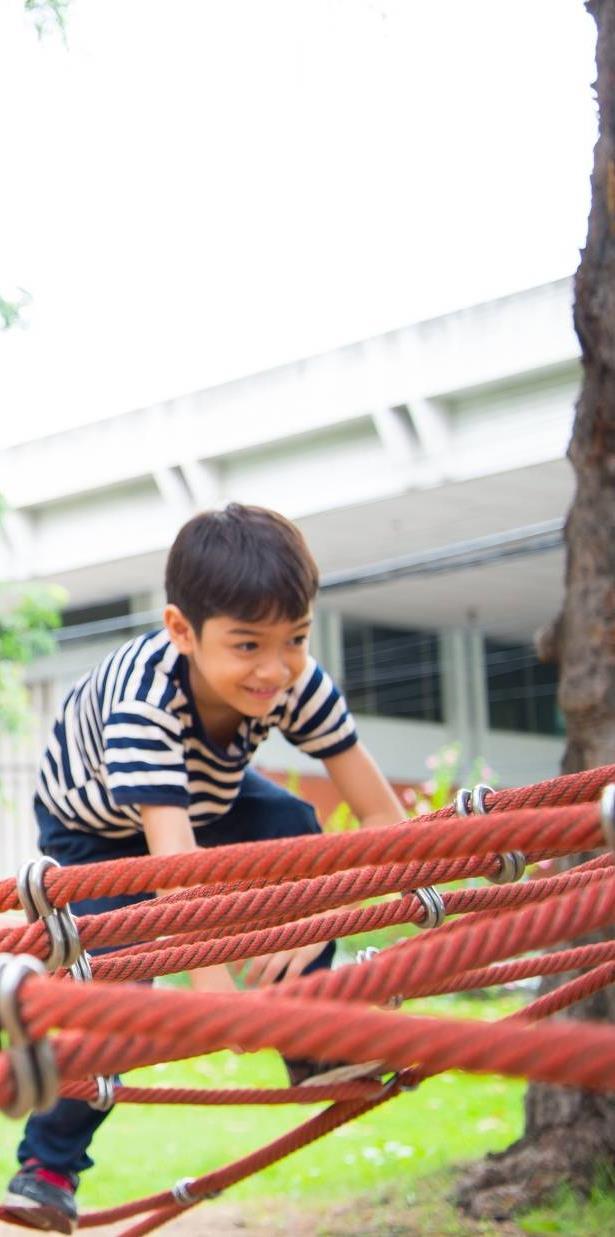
(197, 189)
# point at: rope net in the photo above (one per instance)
(244, 901)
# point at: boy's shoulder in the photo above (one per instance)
(144, 668)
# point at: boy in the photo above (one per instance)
(151, 752)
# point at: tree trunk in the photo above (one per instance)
(569, 1133)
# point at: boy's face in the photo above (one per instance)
(245, 666)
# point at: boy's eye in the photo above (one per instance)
(247, 646)
(297, 641)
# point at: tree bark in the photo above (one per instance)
(569, 1134)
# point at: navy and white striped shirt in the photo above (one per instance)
(129, 733)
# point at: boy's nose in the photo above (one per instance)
(274, 671)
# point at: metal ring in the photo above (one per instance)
(81, 970)
(12, 975)
(70, 934)
(105, 1098)
(62, 930)
(36, 881)
(35, 1073)
(25, 1082)
(59, 920)
(47, 1071)
(512, 867)
(181, 1193)
(23, 891)
(435, 910)
(512, 862)
(478, 795)
(607, 814)
(366, 955)
(463, 801)
(395, 1001)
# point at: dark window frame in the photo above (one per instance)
(521, 690)
(392, 671)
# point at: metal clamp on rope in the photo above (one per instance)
(607, 814)
(366, 955)
(33, 1063)
(433, 905)
(65, 946)
(511, 862)
(182, 1195)
(81, 972)
(105, 1098)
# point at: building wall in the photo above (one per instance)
(421, 440)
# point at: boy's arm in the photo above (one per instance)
(168, 832)
(362, 786)
(372, 800)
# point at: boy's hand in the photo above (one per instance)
(265, 970)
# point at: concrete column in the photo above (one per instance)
(477, 690)
(327, 643)
(464, 688)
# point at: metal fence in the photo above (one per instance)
(17, 828)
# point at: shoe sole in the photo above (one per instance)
(346, 1073)
(37, 1215)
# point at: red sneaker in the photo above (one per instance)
(43, 1198)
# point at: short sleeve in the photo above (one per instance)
(317, 718)
(144, 756)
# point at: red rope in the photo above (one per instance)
(172, 1025)
(174, 956)
(235, 1096)
(569, 994)
(554, 831)
(464, 945)
(220, 1179)
(250, 885)
(524, 968)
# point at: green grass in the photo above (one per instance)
(570, 1215)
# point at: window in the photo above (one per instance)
(392, 671)
(104, 618)
(521, 691)
(75, 616)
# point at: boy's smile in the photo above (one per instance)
(238, 668)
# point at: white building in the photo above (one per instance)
(427, 469)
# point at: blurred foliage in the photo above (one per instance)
(11, 312)
(446, 773)
(27, 623)
(438, 790)
(48, 15)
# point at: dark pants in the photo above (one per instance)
(60, 1138)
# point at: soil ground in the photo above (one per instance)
(391, 1215)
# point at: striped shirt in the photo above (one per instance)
(129, 733)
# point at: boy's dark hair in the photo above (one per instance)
(247, 562)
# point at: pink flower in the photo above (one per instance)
(409, 796)
(432, 762)
(428, 787)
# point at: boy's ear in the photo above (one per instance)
(181, 632)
